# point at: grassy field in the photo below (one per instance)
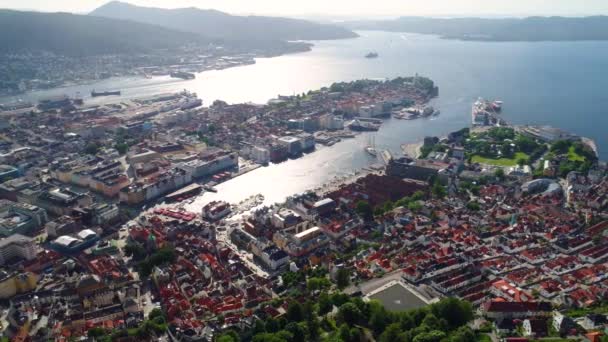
(500, 161)
(573, 156)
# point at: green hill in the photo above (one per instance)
(221, 25)
(82, 35)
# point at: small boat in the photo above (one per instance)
(209, 188)
(372, 55)
(372, 151)
(371, 147)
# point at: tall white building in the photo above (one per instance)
(17, 246)
(260, 155)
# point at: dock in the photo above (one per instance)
(190, 189)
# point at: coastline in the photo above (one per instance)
(300, 47)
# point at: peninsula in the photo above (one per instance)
(507, 29)
(123, 40)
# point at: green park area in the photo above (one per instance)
(501, 161)
(503, 146)
(574, 156)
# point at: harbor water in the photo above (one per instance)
(545, 83)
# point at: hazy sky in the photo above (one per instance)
(345, 8)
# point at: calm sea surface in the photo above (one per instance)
(555, 83)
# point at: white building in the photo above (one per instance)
(307, 235)
(292, 143)
(331, 122)
(274, 258)
(307, 141)
(17, 246)
(260, 155)
(203, 168)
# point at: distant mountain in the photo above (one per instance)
(82, 35)
(526, 29)
(221, 25)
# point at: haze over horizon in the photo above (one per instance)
(344, 8)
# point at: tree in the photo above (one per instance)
(299, 334)
(91, 148)
(314, 284)
(226, 338)
(379, 318)
(156, 313)
(355, 334)
(418, 195)
(500, 174)
(313, 327)
(456, 312)
(431, 336)
(339, 298)
(295, 312)
(414, 206)
(473, 206)
(438, 190)
(308, 310)
(365, 210)
(135, 250)
(122, 148)
(272, 325)
(292, 278)
(328, 324)
(281, 336)
(388, 206)
(344, 333)
(522, 161)
(259, 327)
(229, 336)
(325, 303)
(343, 278)
(96, 332)
(525, 144)
(501, 133)
(407, 321)
(349, 313)
(391, 333)
(561, 146)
